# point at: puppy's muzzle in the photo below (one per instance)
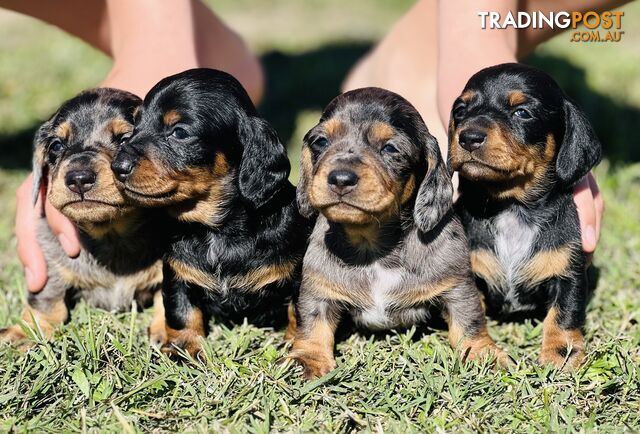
(80, 181)
(472, 139)
(342, 182)
(123, 165)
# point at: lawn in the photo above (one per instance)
(99, 374)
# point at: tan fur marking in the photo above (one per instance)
(365, 237)
(38, 155)
(56, 314)
(409, 189)
(120, 126)
(485, 264)
(158, 327)
(314, 350)
(521, 167)
(147, 278)
(64, 130)
(334, 126)
(210, 208)
(376, 196)
(467, 96)
(171, 117)
(197, 194)
(556, 339)
(187, 338)
(253, 280)
(266, 275)
(547, 264)
(453, 157)
(381, 132)
(292, 325)
(323, 287)
(305, 163)
(516, 97)
(187, 273)
(103, 208)
(424, 293)
(73, 279)
(120, 226)
(475, 347)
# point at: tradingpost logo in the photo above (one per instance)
(598, 26)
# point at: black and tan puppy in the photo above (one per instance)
(119, 260)
(520, 146)
(387, 244)
(200, 150)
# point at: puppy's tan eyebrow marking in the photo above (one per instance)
(467, 96)
(516, 97)
(120, 126)
(63, 130)
(381, 131)
(171, 117)
(333, 126)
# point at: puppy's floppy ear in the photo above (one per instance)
(264, 167)
(580, 149)
(435, 195)
(302, 190)
(38, 161)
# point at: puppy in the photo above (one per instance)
(200, 151)
(386, 245)
(520, 146)
(119, 261)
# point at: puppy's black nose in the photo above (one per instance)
(471, 139)
(342, 181)
(122, 166)
(80, 181)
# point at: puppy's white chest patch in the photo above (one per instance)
(383, 281)
(513, 243)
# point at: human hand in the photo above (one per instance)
(590, 204)
(29, 250)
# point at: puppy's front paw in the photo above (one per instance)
(561, 347)
(157, 334)
(13, 334)
(315, 363)
(190, 345)
(490, 350)
(562, 356)
(185, 339)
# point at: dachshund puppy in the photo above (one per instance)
(387, 244)
(520, 146)
(119, 261)
(200, 151)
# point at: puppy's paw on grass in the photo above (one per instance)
(501, 358)
(12, 334)
(563, 357)
(190, 345)
(315, 364)
(157, 335)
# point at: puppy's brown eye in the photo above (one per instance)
(56, 146)
(522, 114)
(459, 111)
(179, 133)
(320, 143)
(389, 149)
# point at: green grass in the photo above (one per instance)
(99, 374)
